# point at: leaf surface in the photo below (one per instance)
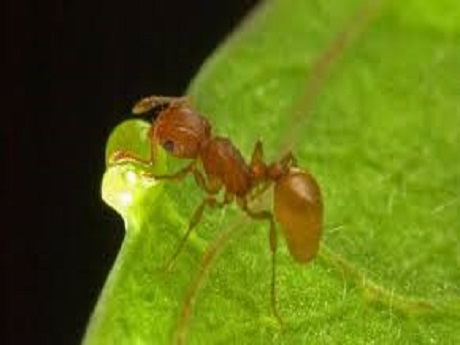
(381, 138)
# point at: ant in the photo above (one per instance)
(217, 165)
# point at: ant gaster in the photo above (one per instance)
(185, 134)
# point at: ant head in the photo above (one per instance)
(181, 131)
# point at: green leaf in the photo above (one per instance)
(381, 138)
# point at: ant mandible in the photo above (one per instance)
(185, 134)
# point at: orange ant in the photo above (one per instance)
(185, 134)
(216, 164)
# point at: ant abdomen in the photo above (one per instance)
(299, 211)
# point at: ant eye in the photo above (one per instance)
(168, 145)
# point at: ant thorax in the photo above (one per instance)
(221, 160)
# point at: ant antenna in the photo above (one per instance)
(150, 107)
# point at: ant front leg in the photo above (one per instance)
(209, 201)
(126, 157)
(273, 240)
(121, 157)
(177, 176)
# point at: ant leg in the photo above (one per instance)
(257, 155)
(258, 166)
(178, 175)
(288, 160)
(281, 167)
(273, 239)
(208, 201)
(122, 157)
(200, 180)
(210, 188)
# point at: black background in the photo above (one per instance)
(74, 69)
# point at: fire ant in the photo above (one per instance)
(217, 165)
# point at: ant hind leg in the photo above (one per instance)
(273, 240)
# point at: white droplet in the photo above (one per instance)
(126, 199)
(131, 177)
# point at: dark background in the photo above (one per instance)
(73, 70)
